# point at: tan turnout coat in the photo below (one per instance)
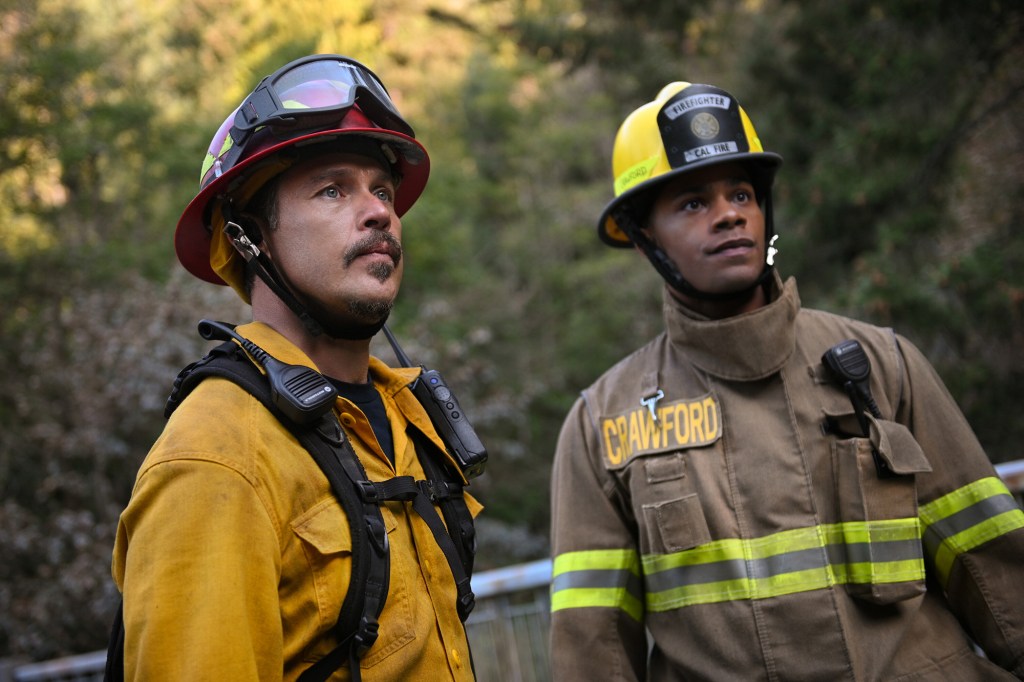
(714, 487)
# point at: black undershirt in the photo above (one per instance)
(367, 399)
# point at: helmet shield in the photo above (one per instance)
(696, 126)
(684, 128)
(304, 95)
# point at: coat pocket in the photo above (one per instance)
(327, 543)
(673, 519)
(884, 557)
(674, 525)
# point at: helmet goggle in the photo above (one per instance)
(306, 94)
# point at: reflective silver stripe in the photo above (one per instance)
(815, 558)
(883, 552)
(864, 552)
(599, 578)
(965, 519)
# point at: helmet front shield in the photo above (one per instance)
(306, 95)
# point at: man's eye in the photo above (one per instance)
(385, 195)
(691, 204)
(330, 192)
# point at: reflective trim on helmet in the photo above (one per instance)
(634, 175)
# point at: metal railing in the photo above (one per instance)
(507, 630)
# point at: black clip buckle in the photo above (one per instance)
(365, 636)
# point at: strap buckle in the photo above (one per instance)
(435, 490)
(365, 636)
(465, 604)
(368, 492)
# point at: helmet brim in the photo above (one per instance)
(194, 232)
(764, 164)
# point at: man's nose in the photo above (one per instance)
(376, 213)
(726, 215)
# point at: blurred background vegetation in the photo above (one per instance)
(899, 202)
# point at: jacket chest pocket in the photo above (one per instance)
(670, 516)
(327, 544)
(880, 531)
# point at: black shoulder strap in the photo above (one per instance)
(447, 490)
(325, 441)
(113, 670)
(360, 498)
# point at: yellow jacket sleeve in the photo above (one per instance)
(194, 607)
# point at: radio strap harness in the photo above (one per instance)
(283, 390)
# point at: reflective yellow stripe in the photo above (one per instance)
(580, 598)
(609, 578)
(966, 519)
(613, 559)
(798, 560)
(961, 499)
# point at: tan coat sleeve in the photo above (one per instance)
(591, 642)
(985, 581)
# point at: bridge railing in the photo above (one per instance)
(508, 629)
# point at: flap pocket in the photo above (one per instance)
(325, 527)
(898, 447)
(884, 557)
(674, 525)
(668, 468)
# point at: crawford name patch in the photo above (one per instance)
(680, 424)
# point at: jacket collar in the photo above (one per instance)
(390, 381)
(746, 347)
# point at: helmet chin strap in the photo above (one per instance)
(265, 269)
(671, 274)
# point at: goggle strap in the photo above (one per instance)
(257, 108)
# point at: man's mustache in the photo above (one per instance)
(372, 243)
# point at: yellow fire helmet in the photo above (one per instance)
(687, 126)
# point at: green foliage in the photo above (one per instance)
(882, 136)
(897, 202)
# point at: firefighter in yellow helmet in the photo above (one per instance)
(245, 552)
(763, 491)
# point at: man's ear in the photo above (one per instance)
(253, 226)
(649, 233)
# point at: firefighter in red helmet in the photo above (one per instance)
(237, 556)
(763, 491)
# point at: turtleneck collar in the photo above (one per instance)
(746, 347)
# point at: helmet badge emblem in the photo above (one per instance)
(705, 126)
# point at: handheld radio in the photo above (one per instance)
(446, 414)
(851, 368)
(301, 393)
